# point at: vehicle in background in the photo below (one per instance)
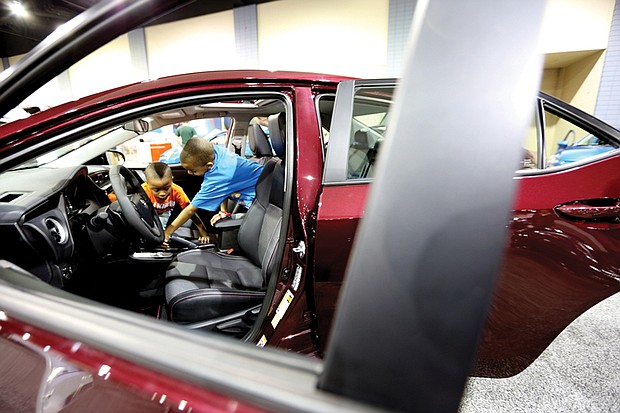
(586, 147)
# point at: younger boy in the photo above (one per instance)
(167, 197)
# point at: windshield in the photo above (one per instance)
(80, 151)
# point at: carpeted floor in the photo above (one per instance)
(578, 372)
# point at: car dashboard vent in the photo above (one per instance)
(10, 196)
(56, 230)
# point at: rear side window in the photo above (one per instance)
(369, 122)
(555, 140)
(566, 142)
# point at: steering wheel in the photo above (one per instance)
(135, 204)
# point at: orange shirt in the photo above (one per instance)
(177, 196)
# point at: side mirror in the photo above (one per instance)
(115, 157)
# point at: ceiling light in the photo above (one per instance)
(18, 9)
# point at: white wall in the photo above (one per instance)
(574, 38)
(571, 25)
(192, 45)
(347, 37)
(108, 67)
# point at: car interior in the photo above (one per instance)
(75, 236)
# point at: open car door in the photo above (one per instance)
(358, 129)
(405, 334)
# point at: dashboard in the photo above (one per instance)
(43, 213)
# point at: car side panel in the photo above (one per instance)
(554, 268)
(342, 206)
(39, 368)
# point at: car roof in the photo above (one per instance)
(122, 93)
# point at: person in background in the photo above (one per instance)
(223, 172)
(185, 131)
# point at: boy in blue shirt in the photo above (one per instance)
(223, 172)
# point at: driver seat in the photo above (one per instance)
(203, 285)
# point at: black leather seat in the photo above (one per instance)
(207, 284)
(259, 144)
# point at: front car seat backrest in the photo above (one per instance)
(277, 133)
(259, 144)
(260, 230)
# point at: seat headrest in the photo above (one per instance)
(259, 145)
(360, 140)
(277, 133)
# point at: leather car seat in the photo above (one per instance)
(203, 285)
(259, 144)
(358, 150)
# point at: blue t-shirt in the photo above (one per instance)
(230, 173)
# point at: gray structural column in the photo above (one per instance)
(608, 98)
(399, 22)
(421, 287)
(138, 53)
(5, 63)
(246, 36)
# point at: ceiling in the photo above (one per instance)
(18, 35)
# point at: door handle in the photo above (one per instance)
(601, 209)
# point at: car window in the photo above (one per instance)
(325, 109)
(552, 140)
(83, 150)
(370, 118)
(529, 157)
(164, 143)
(564, 142)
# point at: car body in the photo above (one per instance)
(63, 228)
(329, 201)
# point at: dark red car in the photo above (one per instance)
(58, 168)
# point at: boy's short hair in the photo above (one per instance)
(157, 170)
(200, 150)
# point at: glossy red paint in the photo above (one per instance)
(340, 209)
(578, 183)
(554, 269)
(308, 153)
(118, 384)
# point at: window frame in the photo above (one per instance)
(336, 161)
(546, 103)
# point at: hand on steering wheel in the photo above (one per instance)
(135, 205)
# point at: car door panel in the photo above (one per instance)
(344, 193)
(560, 259)
(342, 207)
(555, 267)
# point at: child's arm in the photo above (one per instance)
(222, 212)
(185, 214)
(204, 236)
